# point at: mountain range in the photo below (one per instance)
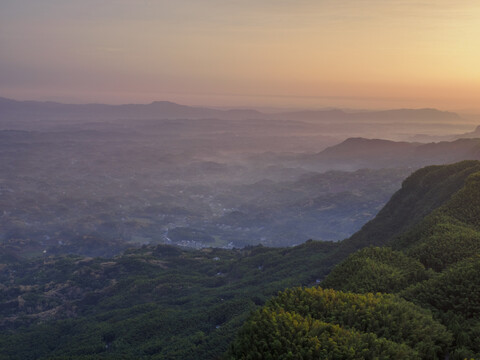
(356, 153)
(12, 109)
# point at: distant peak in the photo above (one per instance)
(162, 102)
(360, 140)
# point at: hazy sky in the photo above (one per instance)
(289, 53)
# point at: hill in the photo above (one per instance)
(316, 323)
(151, 303)
(432, 225)
(420, 194)
(357, 153)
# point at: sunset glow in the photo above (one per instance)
(283, 53)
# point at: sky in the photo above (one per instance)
(244, 53)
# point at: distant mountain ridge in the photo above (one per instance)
(12, 109)
(355, 153)
(394, 115)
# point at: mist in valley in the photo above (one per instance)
(97, 179)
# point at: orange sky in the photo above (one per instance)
(284, 53)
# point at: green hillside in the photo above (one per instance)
(151, 303)
(376, 269)
(434, 265)
(421, 193)
(319, 323)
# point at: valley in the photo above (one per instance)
(78, 180)
(161, 239)
(167, 303)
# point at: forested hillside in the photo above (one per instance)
(425, 282)
(151, 303)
